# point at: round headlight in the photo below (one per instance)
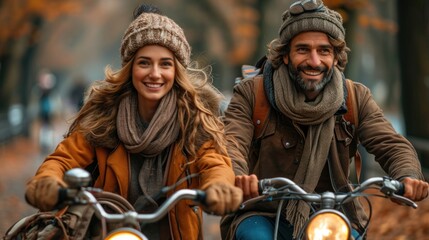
(126, 234)
(326, 225)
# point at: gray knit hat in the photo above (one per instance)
(310, 15)
(153, 28)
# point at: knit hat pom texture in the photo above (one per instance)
(155, 29)
(320, 19)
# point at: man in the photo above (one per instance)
(305, 136)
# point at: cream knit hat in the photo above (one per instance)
(153, 28)
(310, 15)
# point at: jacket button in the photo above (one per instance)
(296, 161)
(287, 144)
(347, 140)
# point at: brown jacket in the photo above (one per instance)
(113, 164)
(277, 152)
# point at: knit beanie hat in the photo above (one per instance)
(310, 15)
(154, 28)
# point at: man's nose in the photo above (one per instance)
(314, 59)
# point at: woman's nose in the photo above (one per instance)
(155, 72)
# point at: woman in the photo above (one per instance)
(149, 125)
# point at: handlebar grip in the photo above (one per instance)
(401, 189)
(62, 198)
(66, 196)
(201, 197)
(261, 186)
(62, 195)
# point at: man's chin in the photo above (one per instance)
(311, 85)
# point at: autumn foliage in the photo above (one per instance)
(17, 17)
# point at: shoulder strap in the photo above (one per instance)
(352, 117)
(261, 106)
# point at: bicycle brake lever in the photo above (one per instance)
(253, 200)
(404, 200)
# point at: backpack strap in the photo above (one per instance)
(352, 114)
(261, 106)
(352, 117)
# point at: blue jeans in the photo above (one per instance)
(261, 227)
(356, 235)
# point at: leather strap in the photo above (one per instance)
(352, 117)
(261, 106)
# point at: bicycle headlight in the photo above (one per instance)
(328, 224)
(126, 234)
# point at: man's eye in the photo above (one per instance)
(325, 51)
(301, 50)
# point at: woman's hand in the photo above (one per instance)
(42, 193)
(222, 198)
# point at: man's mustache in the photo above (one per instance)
(310, 68)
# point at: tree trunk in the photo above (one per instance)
(413, 43)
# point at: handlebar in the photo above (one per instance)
(78, 192)
(284, 188)
(84, 196)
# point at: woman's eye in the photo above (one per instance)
(167, 64)
(144, 63)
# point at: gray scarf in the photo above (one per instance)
(318, 115)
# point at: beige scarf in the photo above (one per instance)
(153, 143)
(162, 131)
(319, 117)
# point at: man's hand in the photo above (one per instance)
(415, 189)
(249, 185)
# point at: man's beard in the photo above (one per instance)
(309, 86)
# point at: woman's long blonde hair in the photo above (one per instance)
(97, 118)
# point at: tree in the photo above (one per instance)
(21, 22)
(413, 39)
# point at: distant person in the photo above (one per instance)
(46, 84)
(77, 93)
(305, 136)
(151, 124)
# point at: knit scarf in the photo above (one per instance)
(162, 131)
(153, 142)
(318, 116)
